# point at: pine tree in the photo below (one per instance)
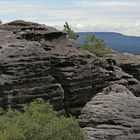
(70, 32)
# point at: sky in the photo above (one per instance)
(121, 16)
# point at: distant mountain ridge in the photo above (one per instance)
(116, 41)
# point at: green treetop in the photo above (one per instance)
(70, 32)
(95, 45)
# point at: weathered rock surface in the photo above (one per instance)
(113, 114)
(40, 61)
(128, 62)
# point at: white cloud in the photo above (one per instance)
(89, 15)
(138, 23)
(106, 3)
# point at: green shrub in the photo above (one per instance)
(38, 121)
(95, 45)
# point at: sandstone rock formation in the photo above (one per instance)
(128, 62)
(40, 61)
(113, 114)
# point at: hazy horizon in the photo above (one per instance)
(108, 32)
(121, 16)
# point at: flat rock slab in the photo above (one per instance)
(113, 114)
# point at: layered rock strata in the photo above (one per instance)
(40, 61)
(128, 62)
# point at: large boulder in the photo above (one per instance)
(128, 62)
(40, 61)
(113, 114)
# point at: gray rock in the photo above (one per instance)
(113, 114)
(39, 61)
(128, 62)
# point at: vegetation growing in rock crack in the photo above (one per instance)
(70, 32)
(38, 121)
(91, 42)
(95, 45)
